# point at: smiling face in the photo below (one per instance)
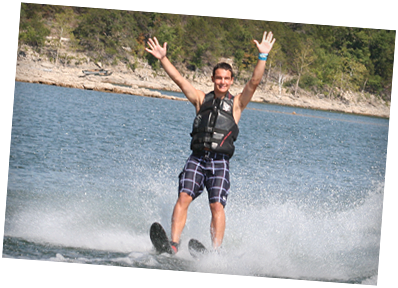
(222, 80)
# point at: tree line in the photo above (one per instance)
(318, 58)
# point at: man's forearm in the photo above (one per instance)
(251, 86)
(193, 95)
(257, 74)
(171, 71)
(189, 91)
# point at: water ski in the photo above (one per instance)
(196, 248)
(159, 239)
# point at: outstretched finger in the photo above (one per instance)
(156, 41)
(264, 35)
(269, 38)
(151, 43)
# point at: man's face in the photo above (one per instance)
(222, 80)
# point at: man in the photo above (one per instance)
(214, 130)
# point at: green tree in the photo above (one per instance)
(102, 33)
(304, 57)
(238, 59)
(173, 36)
(63, 27)
(32, 30)
(382, 47)
(200, 43)
(327, 69)
(275, 63)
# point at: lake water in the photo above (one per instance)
(90, 171)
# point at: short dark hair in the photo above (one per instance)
(224, 66)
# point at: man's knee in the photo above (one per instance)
(184, 199)
(216, 208)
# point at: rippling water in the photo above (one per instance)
(90, 171)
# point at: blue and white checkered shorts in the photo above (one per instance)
(210, 171)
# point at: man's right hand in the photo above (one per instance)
(155, 49)
(193, 95)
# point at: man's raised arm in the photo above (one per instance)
(263, 48)
(193, 95)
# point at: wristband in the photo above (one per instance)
(263, 56)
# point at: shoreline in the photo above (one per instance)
(139, 83)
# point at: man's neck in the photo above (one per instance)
(220, 95)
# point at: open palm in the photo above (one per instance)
(155, 49)
(266, 44)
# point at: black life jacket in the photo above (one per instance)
(214, 128)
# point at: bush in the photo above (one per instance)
(33, 32)
(310, 82)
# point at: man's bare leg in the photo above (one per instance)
(217, 226)
(179, 216)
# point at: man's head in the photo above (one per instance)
(223, 77)
(224, 66)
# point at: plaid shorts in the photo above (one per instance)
(210, 171)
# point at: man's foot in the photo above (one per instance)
(174, 247)
(219, 251)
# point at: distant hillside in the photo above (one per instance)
(324, 61)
